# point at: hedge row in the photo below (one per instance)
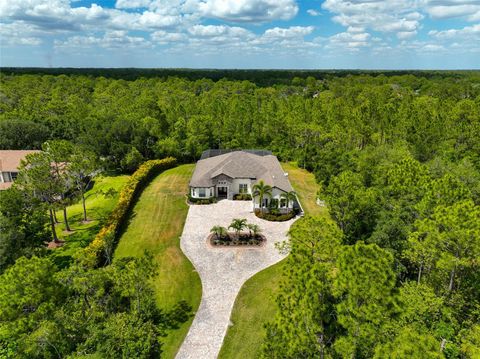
(275, 217)
(242, 197)
(100, 251)
(210, 200)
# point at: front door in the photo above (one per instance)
(222, 192)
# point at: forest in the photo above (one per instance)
(393, 273)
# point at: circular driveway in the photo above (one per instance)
(222, 270)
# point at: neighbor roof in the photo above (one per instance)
(10, 159)
(241, 164)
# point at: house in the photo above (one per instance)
(9, 164)
(223, 175)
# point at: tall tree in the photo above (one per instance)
(23, 226)
(305, 326)
(59, 153)
(365, 288)
(82, 169)
(261, 190)
(449, 239)
(37, 178)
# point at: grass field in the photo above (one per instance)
(255, 303)
(155, 225)
(98, 209)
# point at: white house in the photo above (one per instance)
(9, 163)
(227, 174)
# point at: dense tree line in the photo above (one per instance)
(395, 274)
(320, 123)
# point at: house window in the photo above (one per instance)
(201, 192)
(242, 188)
(14, 175)
(6, 177)
(283, 203)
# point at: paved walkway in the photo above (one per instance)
(222, 270)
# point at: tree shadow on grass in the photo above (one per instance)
(179, 314)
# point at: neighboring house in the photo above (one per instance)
(9, 164)
(225, 175)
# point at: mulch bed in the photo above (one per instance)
(53, 245)
(231, 240)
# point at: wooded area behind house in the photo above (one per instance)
(397, 156)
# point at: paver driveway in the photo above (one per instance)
(222, 270)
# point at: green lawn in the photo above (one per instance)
(255, 303)
(156, 224)
(98, 209)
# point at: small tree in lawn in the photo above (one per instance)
(59, 152)
(262, 190)
(254, 229)
(82, 169)
(289, 197)
(37, 179)
(238, 225)
(219, 231)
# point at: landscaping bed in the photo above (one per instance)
(275, 216)
(231, 239)
(192, 200)
(242, 197)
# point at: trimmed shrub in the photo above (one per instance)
(242, 197)
(98, 253)
(275, 217)
(192, 200)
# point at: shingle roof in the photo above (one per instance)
(10, 159)
(240, 164)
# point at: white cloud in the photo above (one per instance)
(441, 9)
(288, 33)
(393, 16)
(132, 4)
(58, 15)
(467, 33)
(349, 40)
(218, 30)
(111, 40)
(19, 34)
(402, 35)
(163, 37)
(313, 12)
(246, 10)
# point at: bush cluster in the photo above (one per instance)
(275, 217)
(192, 200)
(101, 248)
(242, 197)
(234, 242)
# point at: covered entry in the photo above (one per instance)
(222, 192)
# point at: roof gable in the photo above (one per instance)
(10, 159)
(240, 164)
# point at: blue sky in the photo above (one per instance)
(321, 34)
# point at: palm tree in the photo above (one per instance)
(255, 229)
(238, 225)
(289, 197)
(262, 190)
(219, 231)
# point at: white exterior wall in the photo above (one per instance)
(195, 192)
(276, 193)
(234, 186)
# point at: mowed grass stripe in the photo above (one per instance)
(255, 304)
(156, 224)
